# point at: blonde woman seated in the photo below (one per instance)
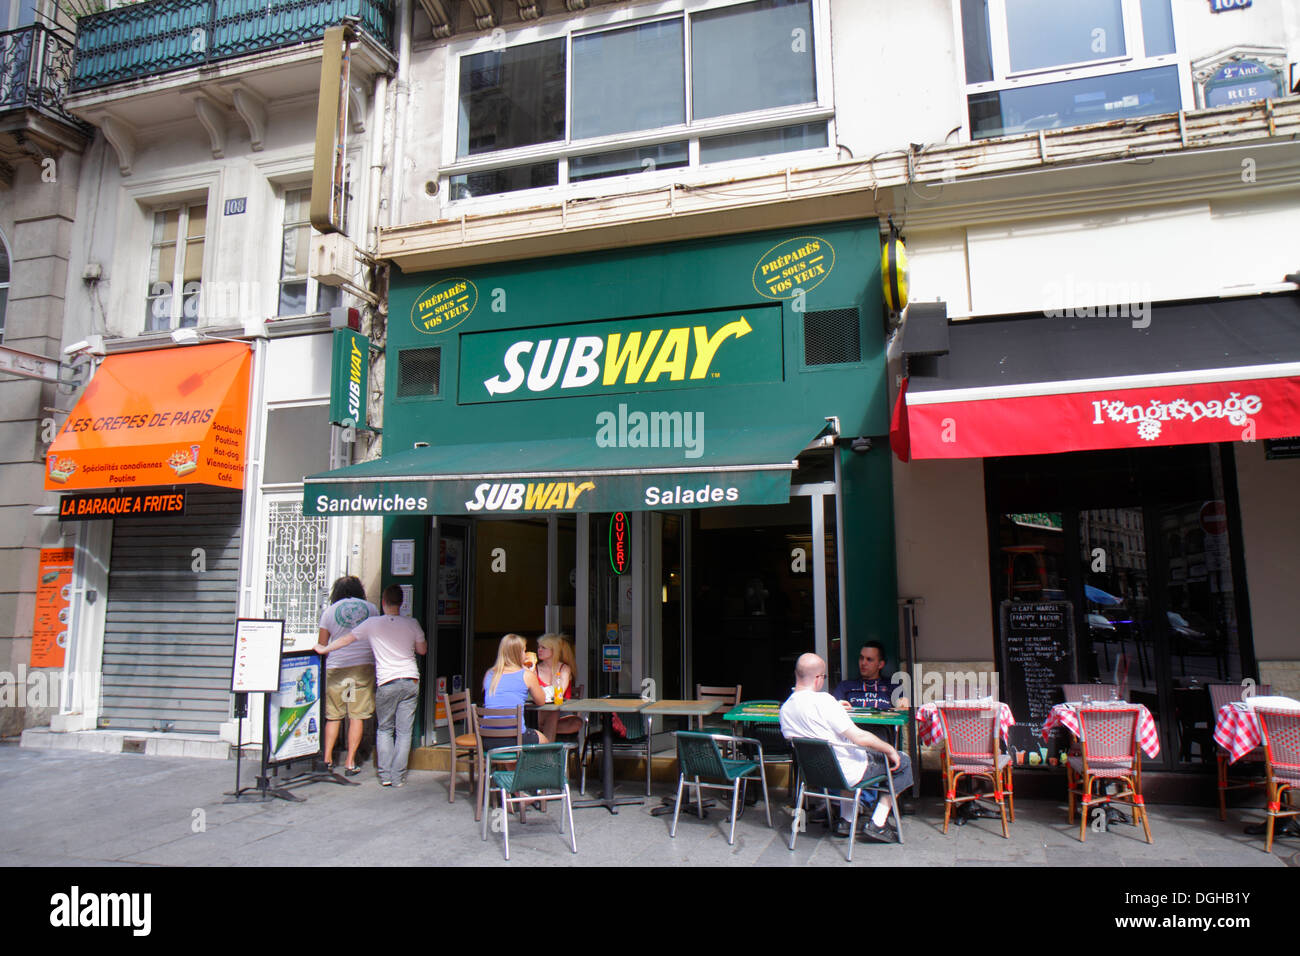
(509, 684)
(555, 668)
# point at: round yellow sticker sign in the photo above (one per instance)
(793, 266)
(444, 305)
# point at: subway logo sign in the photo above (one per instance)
(733, 347)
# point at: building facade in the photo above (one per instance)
(209, 341)
(634, 247)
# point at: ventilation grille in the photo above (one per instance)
(418, 372)
(831, 337)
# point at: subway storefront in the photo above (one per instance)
(675, 453)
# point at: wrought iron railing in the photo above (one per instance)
(156, 36)
(35, 69)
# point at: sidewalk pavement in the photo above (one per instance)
(70, 808)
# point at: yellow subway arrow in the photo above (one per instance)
(706, 348)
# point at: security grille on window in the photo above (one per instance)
(297, 289)
(176, 262)
(418, 372)
(831, 337)
(703, 86)
(1043, 64)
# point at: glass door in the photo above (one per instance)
(1143, 545)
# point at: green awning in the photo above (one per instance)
(742, 466)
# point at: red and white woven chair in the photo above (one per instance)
(1281, 730)
(1220, 696)
(1110, 753)
(970, 749)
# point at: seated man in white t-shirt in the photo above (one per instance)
(811, 712)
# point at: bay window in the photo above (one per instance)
(1044, 64)
(725, 80)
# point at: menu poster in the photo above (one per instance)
(293, 713)
(256, 668)
(1038, 656)
(53, 615)
(450, 571)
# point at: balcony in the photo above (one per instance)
(35, 66)
(161, 36)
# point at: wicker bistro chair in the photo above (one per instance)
(971, 748)
(1281, 731)
(462, 747)
(539, 774)
(1109, 752)
(821, 776)
(700, 759)
(633, 738)
(493, 727)
(1221, 695)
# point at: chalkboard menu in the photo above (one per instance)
(1037, 648)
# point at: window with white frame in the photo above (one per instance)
(176, 263)
(1044, 64)
(725, 80)
(299, 293)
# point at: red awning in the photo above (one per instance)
(1134, 411)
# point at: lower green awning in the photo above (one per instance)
(743, 466)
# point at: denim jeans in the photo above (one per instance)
(395, 710)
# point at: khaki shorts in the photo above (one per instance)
(350, 692)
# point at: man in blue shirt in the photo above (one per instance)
(871, 690)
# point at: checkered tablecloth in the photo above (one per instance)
(1236, 729)
(1065, 715)
(931, 727)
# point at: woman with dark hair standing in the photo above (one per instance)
(349, 671)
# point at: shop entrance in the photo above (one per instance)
(498, 576)
(656, 602)
(763, 582)
(1144, 544)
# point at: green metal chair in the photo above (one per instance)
(820, 773)
(538, 768)
(700, 759)
(776, 749)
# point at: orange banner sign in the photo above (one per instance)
(53, 614)
(169, 417)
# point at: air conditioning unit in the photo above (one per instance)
(333, 259)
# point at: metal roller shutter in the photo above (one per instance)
(169, 630)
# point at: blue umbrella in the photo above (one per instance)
(1098, 596)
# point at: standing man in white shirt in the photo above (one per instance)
(394, 640)
(811, 712)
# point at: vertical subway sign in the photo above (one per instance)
(349, 374)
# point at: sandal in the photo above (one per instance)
(351, 771)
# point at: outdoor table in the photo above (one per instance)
(1236, 728)
(679, 708)
(771, 714)
(931, 727)
(603, 705)
(1067, 715)
(862, 716)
